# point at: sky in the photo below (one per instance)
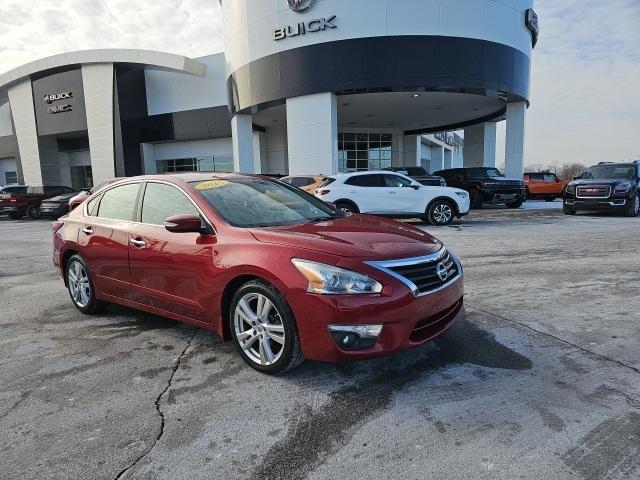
(585, 95)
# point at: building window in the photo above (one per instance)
(10, 177)
(81, 177)
(364, 151)
(222, 163)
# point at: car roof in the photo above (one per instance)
(189, 177)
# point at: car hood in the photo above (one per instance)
(373, 238)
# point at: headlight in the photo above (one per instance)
(623, 187)
(571, 189)
(330, 280)
(462, 194)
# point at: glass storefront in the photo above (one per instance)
(221, 163)
(81, 177)
(364, 151)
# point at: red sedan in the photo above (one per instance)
(284, 275)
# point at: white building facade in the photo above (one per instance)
(302, 87)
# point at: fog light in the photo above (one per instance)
(355, 337)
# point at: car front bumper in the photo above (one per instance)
(615, 202)
(54, 212)
(509, 196)
(408, 321)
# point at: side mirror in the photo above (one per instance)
(415, 187)
(184, 224)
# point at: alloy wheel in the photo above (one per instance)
(259, 329)
(79, 285)
(442, 213)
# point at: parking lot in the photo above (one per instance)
(541, 380)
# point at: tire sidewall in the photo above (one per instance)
(94, 303)
(351, 209)
(292, 341)
(431, 209)
(33, 212)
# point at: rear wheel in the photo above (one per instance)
(633, 207)
(15, 215)
(568, 210)
(517, 204)
(440, 213)
(347, 207)
(80, 286)
(33, 212)
(264, 329)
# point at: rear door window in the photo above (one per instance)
(365, 181)
(119, 203)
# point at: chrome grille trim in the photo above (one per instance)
(601, 191)
(386, 266)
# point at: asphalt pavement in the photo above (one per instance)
(540, 381)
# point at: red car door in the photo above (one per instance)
(104, 239)
(171, 271)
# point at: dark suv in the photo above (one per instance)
(420, 175)
(486, 185)
(606, 186)
(20, 200)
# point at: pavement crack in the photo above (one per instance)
(159, 409)
(561, 340)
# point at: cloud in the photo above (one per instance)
(585, 79)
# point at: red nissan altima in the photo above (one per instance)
(283, 275)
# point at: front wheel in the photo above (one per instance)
(80, 286)
(476, 199)
(568, 210)
(15, 215)
(264, 329)
(517, 204)
(440, 213)
(633, 207)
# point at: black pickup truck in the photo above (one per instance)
(420, 175)
(486, 185)
(607, 187)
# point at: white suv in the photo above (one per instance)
(395, 195)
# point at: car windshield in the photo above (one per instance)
(485, 172)
(604, 172)
(258, 202)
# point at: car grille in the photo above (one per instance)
(424, 275)
(593, 191)
(434, 324)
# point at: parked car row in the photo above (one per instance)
(35, 201)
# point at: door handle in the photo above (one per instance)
(391, 192)
(137, 243)
(88, 230)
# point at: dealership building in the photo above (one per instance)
(302, 87)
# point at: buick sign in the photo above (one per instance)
(301, 5)
(58, 96)
(533, 25)
(302, 28)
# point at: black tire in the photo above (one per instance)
(289, 354)
(633, 207)
(476, 199)
(92, 305)
(569, 210)
(15, 215)
(347, 207)
(517, 204)
(33, 212)
(440, 213)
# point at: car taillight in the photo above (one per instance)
(323, 192)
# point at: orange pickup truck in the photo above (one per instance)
(544, 185)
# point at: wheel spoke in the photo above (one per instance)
(249, 343)
(246, 334)
(272, 327)
(264, 307)
(276, 338)
(246, 311)
(266, 354)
